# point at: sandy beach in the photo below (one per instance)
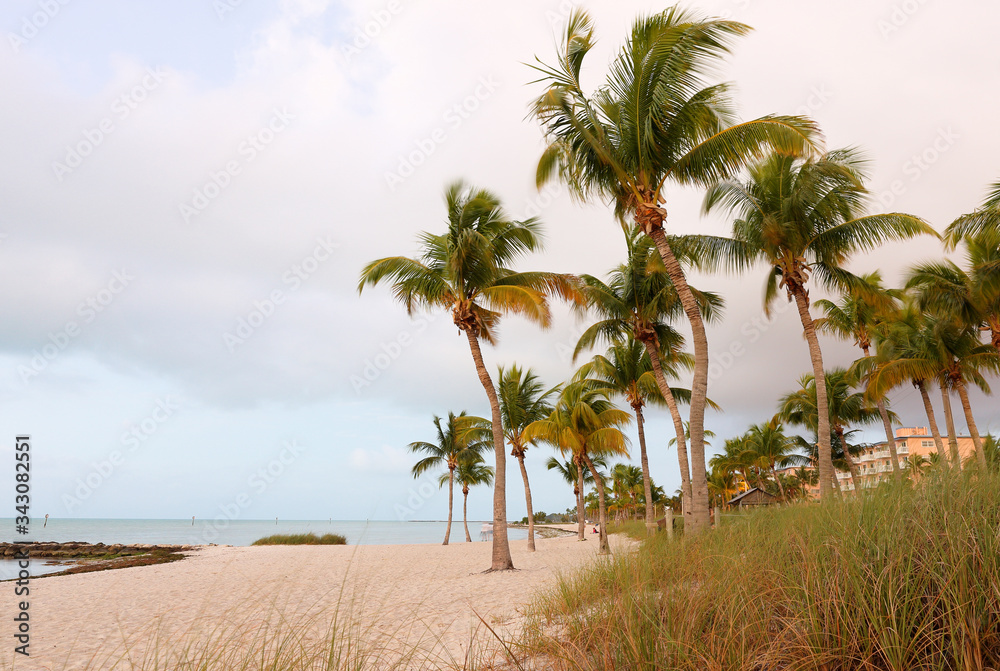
(388, 598)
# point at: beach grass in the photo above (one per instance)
(903, 577)
(302, 539)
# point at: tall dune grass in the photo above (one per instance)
(901, 578)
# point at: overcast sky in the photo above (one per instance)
(188, 190)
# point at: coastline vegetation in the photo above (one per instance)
(905, 577)
(302, 539)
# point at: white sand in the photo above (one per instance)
(422, 596)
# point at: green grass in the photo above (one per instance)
(302, 539)
(632, 528)
(903, 578)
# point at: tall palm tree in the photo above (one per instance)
(985, 219)
(523, 400)
(862, 308)
(585, 423)
(626, 369)
(801, 217)
(655, 120)
(467, 270)
(471, 471)
(455, 443)
(638, 302)
(970, 295)
(579, 479)
(846, 408)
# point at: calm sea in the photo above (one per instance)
(239, 532)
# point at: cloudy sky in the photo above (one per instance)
(188, 190)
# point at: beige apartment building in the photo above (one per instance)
(874, 464)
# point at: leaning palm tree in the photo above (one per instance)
(585, 423)
(638, 302)
(456, 442)
(471, 471)
(523, 400)
(801, 217)
(467, 270)
(656, 119)
(863, 307)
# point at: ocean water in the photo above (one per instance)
(225, 532)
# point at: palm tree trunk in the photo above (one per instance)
(604, 548)
(890, 437)
(501, 546)
(465, 513)
(929, 409)
(697, 511)
(851, 466)
(451, 503)
(527, 500)
(949, 420)
(581, 526)
(963, 394)
(823, 447)
(675, 414)
(647, 488)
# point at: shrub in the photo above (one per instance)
(302, 539)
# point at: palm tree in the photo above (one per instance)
(455, 442)
(769, 448)
(585, 423)
(802, 217)
(467, 270)
(735, 459)
(846, 408)
(985, 219)
(964, 357)
(522, 401)
(579, 479)
(626, 369)
(722, 485)
(655, 119)
(471, 471)
(629, 484)
(906, 352)
(637, 303)
(862, 308)
(971, 295)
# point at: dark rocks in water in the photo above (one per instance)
(76, 550)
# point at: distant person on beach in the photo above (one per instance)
(486, 532)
